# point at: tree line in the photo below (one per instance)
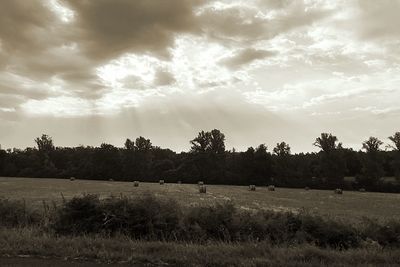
(209, 161)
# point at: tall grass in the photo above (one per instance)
(149, 218)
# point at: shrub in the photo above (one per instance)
(79, 215)
(14, 213)
(213, 222)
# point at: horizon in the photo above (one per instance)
(261, 71)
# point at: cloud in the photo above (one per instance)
(250, 23)
(163, 78)
(379, 19)
(107, 29)
(246, 56)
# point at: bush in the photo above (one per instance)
(140, 218)
(387, 235)
(80, 215)
(153, 219)
(14, 214)
(213, 222)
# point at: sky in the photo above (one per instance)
(261, 71)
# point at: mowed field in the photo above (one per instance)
(353, 206)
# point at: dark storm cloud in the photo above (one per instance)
(24, 26)
(246, 56)
(106, 29)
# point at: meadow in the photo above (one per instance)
(42, 223)
(352, 205)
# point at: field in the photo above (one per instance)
(350, 206)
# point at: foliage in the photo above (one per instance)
(208, 160)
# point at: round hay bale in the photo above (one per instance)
(306, 188)
(161, 182)
(136, 183)
(271, 188)
(252, 187)
(202, 189)
(72, 178)
(362, 190)
(338, 191)
(200, 183)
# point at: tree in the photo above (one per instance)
(282, 149)
(327, 142)
(143, 144)
(201, 142)
(208, 155)
(396, 147)
(129, 144)
(332, 164)
(281, 167)
(372, 171)
(396, 141)
(216, 142)
(372, 145)
(44, 143)
(213, 142)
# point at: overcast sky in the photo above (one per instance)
(261, 71)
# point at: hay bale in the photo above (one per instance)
(72, 178)
(362, 190)
(271, 188)
(202, 189)
(200, 183)
(136, 183)
(252, 187)
(161, 182)
(306, 188)
(338, 191)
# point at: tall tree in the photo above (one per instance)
(44, 143)
(396, 160)
(282, 149)
(201, 143)
(217, 142)
(281, 164)
(372, 171)
(143, 144)
(332, 164)
(129, 144)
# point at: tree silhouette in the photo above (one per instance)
(372, 171)
(327, 142)
(332, 165)
(396, 141)
(372, 145)
(396, 156)
(282, 149)
(44, 143)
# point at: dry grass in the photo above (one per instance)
(125, 251)
(351, 205)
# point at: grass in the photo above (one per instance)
(31, 242)
(352, 205)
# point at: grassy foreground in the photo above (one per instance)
(128, 252)
(349, 206)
